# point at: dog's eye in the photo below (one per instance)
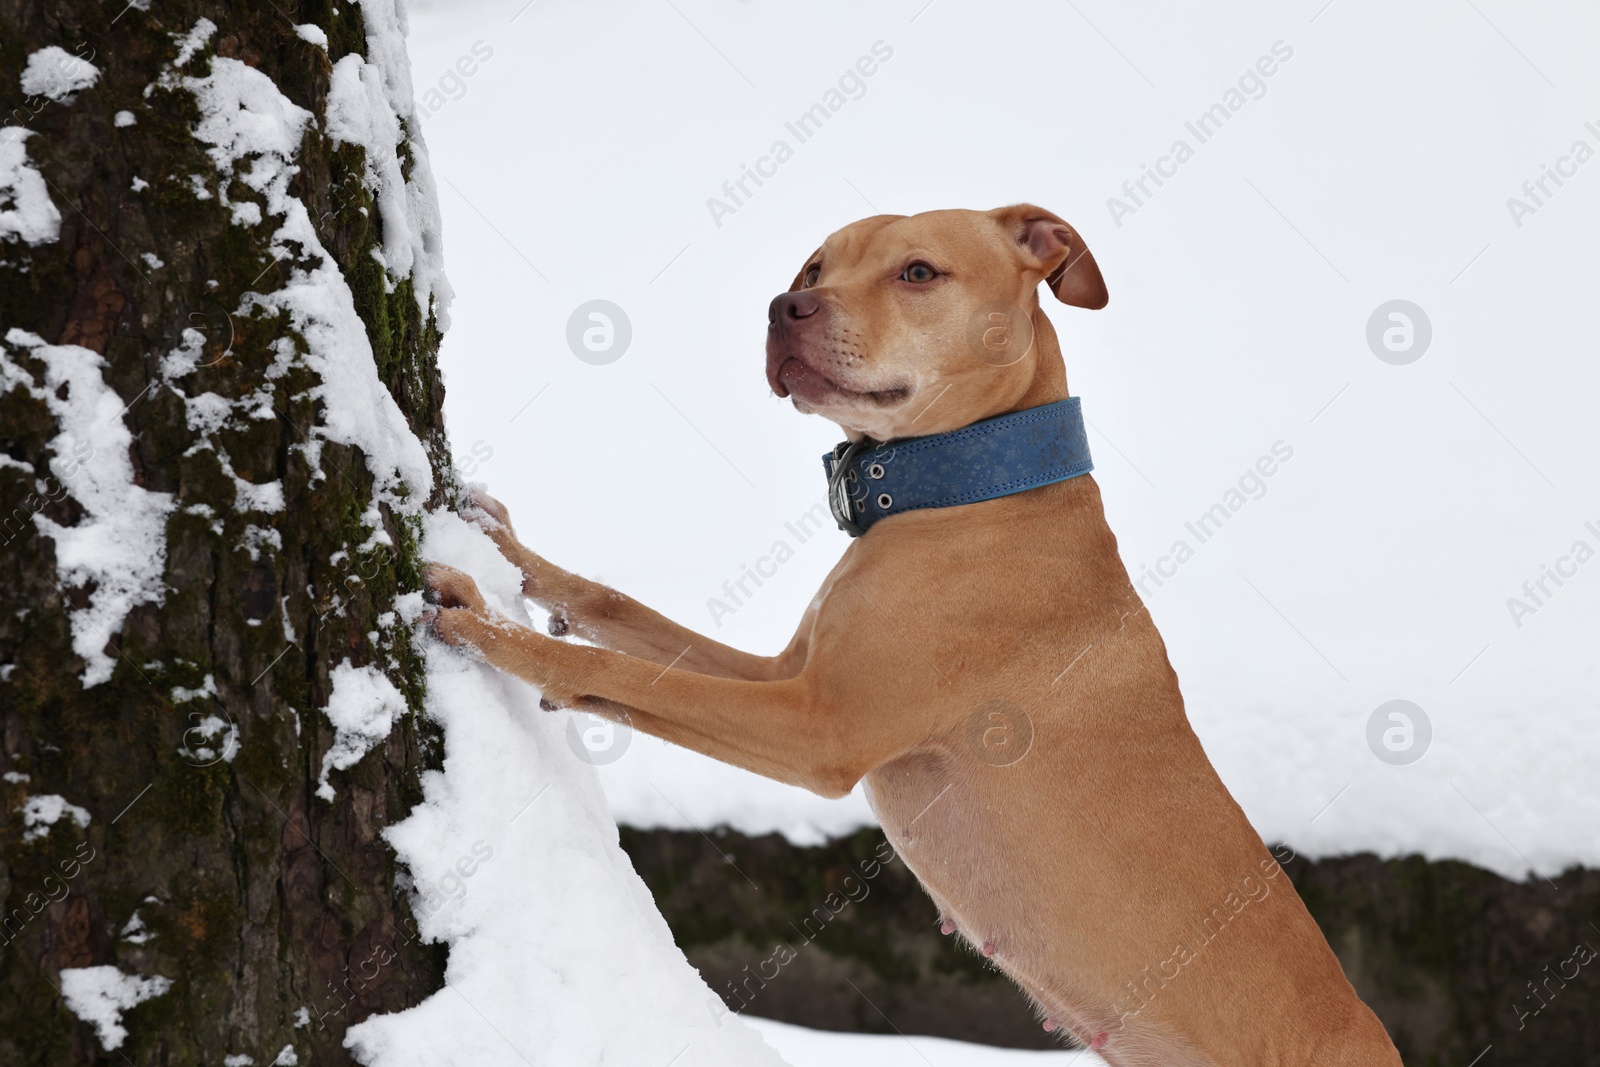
(813, 272)
(918, 272)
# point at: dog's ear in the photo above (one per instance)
(800, 279)
(1052, 248)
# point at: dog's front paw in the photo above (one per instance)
(491, 516)
(457, 626)
(484, 511)
(460, 611)
(449, 588)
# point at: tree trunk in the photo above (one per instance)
(185, 585)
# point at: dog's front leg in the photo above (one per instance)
(781, 728)
(616, 621)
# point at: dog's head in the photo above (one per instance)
(900, 326)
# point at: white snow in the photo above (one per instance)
(99, 996)
(209, 739)
(182, 360)
(191, 43)
(557, 953)
(253, 496)
(363, 708)
(58, 74)
(207, 688)
(259, 538)
(124, 118)
(313, 33)
(373, 109)
(120, 542)
(821, 1048)
(1393, 539)
(134, 931)
(26, 211)
(39, 813)
(206, 413)
(244, 117)
(359, 113)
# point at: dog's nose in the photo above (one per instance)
(791, 306)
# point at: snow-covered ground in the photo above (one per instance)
(577, 146)
(557, 952)
(817, 1048)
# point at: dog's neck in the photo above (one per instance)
(1050, 370)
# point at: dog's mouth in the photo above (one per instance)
(793, 376)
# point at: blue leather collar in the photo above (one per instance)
(996, 457)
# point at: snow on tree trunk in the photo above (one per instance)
(222, 462)
(219, 427)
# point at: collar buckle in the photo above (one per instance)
(839, 487)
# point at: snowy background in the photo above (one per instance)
(576, 146)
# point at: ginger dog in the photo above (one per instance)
(1098, 860)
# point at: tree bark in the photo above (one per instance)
(207, 857)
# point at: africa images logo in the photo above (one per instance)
(1251, 85)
